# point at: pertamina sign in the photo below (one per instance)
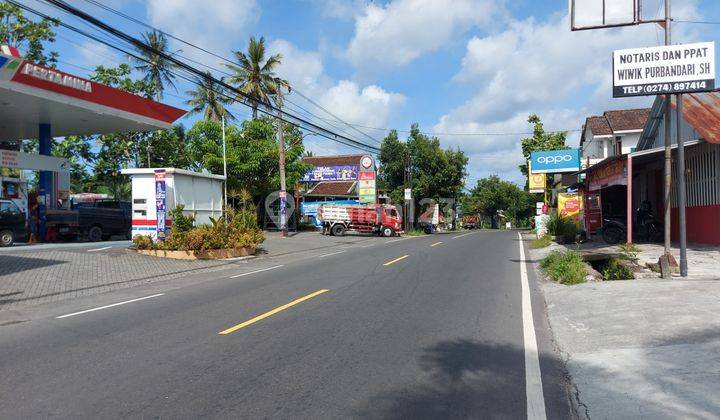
(668, 69)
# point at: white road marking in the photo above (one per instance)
(464, 234)
(332, 253)
(396, 240)
(533, 377)
(256, 271)
(109, 306)
(99, 249)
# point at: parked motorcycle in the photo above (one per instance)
(646, 229)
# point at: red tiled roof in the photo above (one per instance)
(627, 119)
(333, 188)
(598, 125)
(333, 160)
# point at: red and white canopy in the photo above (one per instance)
(31, 95)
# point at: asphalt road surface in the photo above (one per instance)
(428, 327)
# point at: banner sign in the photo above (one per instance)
(332, 173)
(367, 176)
(555, 161)
(570, 206)
(537, 183)
(160, 210)
(668, 69)
(32, 161)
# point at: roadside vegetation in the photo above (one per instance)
(562, 228)
(239, 231)
(565, 267)
(541, 242)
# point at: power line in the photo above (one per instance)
(294, 120)
(699, 22)
(294, 89)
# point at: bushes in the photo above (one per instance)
(614, 269)
(565, 267)
(239, 231)
(559, 226)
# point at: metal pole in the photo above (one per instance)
(224, 170)
(668, 154)
(629, 207)
(281, 156)
(681, 188)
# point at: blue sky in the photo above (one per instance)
(455, 67)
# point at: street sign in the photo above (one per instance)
(555, 161)
(661, 70)
(408, 194)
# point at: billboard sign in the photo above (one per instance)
(332, 173)
(555, 161)
(661, 70)
(570, 206)
(160, 203)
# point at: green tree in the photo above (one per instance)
(541, 140)
(208, 99)
(156, 68)
(436, 172)
(78, 151)
(27, 35)
(252, 154)
(255, 76)
(492, 194)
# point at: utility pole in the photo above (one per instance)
(668, 160)
(225, 201)
(281, 156)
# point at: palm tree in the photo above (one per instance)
(157, 69)
(255, 76)
(209, 99)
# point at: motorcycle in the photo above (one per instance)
(614, 230)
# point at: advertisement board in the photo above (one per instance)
(555, 161)
(160, 202)
(537, 183)
(570, 206)
(332, 173)
(670, 69)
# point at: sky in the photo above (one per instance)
(468, 71)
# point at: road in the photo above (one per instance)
(427, 327)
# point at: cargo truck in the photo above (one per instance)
(380, 219)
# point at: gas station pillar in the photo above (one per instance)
(46, 179)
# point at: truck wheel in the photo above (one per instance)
(7, 238)
(95, 234)
(338, 230)
(387, 232)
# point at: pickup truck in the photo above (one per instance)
(379, 219)
(95, 222)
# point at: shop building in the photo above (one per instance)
(617, 186)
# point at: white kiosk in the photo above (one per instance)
(156, 191)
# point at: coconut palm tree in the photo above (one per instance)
(255, 76)
(209, 99)
(157, 69)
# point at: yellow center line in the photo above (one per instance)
(395, 260)
(436, 243)
(273, 312)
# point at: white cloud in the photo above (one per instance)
(401, 31)
(370, 105)
(341, 9)
(216, 25)
(540, 68)
(303, 69)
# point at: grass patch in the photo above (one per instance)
(541, 242)
(415, 232)
(564, 267)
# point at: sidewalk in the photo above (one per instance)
(647, 348)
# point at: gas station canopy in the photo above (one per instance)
(31, 95)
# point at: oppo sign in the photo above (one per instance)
(555, 161)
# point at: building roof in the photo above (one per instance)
(151, 171)
(701, 111)
(333, 160)
(627, 119)
(333, 188)
(598, 125)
